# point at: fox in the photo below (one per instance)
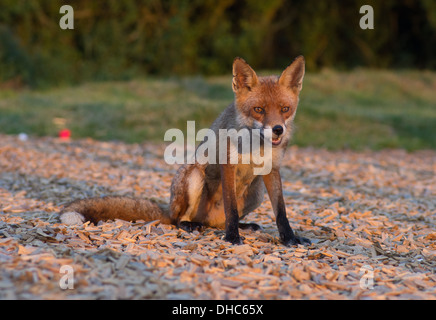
(219, 195)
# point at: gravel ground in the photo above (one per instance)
(371, 216)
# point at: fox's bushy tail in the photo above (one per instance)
(113, 207)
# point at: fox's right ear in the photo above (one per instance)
(244, 78)
(293, 75)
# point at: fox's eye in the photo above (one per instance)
(259, 110)
(285, 109)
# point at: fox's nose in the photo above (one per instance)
(277, 130)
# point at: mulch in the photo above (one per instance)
(370, 215)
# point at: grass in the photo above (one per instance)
(357, 110)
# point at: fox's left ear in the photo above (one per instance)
(293, 75)
(244, 78)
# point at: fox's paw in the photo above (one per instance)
(190, 226)
(233, 239)
(249, 226)
(297, 240)
(72, 217)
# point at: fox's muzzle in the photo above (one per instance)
(275, 135)
(277, 130)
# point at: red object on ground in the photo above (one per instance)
(65, 134)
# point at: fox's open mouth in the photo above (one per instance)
(276, 141)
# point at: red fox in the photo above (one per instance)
(220, 194)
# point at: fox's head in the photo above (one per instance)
(268, 102)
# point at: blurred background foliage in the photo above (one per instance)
(119, 40)
(131, 69)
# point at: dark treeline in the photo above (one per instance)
(114, 39)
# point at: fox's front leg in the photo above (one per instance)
(273, 184)
(230, 204)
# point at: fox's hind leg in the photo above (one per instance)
(249, 226)
(186, 189)
(252, 200)
(190, 226)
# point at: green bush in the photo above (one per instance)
(116, 40)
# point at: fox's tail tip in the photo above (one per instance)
(72, 217)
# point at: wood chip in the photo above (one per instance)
(371, 215)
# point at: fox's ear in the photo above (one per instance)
(293, 75)
(243, 76)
